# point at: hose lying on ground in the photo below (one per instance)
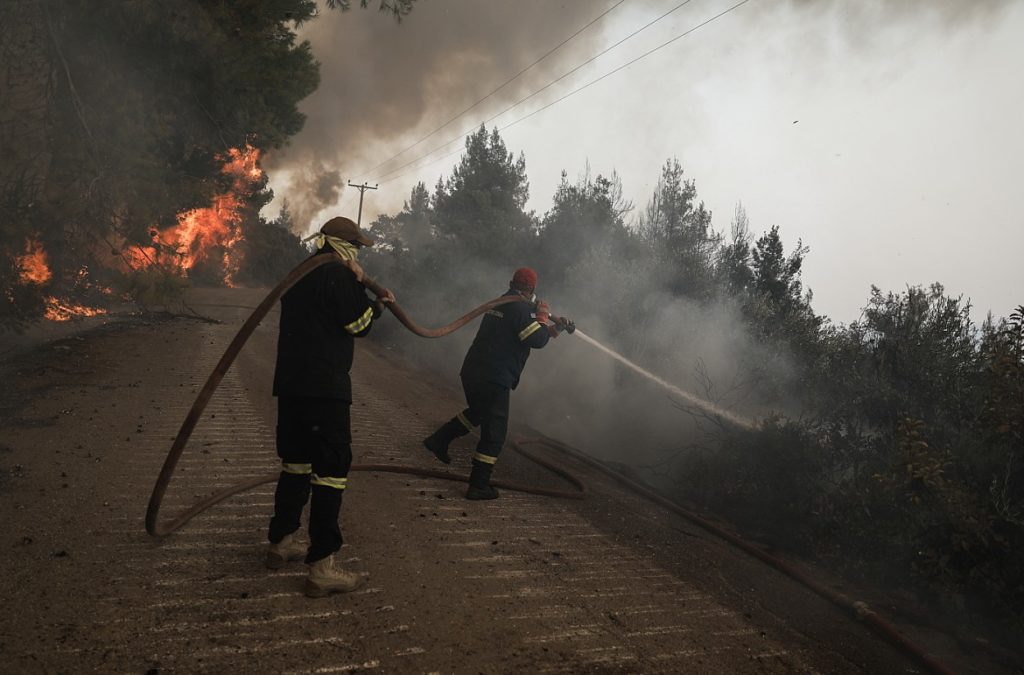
(157, 529)
(857, 608)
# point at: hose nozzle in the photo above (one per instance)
(564, 324)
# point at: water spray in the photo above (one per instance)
(691, 399)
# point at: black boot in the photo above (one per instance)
(437, 442)
(480, 482)
(438, 446)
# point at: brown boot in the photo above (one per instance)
(325, 579)
(287, 550)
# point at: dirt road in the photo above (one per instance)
(521, 584)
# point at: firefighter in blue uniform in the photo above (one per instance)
(489, 372)
(321, 316)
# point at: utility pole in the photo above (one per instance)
(362, 188)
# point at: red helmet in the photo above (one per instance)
(524, 278)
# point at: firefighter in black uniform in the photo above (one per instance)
(489, 372)
(320, 317)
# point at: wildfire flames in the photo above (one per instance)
(208, 234)
(34, 269)
(202, 236)
(33, 266)
(57, 310)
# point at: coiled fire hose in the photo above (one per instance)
(157, 529)
(859, 609)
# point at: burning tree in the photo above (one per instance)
(132, 134)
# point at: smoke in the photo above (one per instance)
(317, 188)
(575, 392)
(869, 15)
(384, 85)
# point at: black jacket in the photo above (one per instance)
(502, 345)
(320, 317)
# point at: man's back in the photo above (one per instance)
(502, 344)
(320, 316)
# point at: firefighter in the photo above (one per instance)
(490, 371)
(321, 316)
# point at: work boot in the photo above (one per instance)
(289, 549)
(480, 482)
(437, 446)
(324, 579)
(481, 492)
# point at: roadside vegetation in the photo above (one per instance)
(905, 461)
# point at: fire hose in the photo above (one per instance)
(157, 529)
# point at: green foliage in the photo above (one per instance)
(396, 8)
(411, 229)
(584, 215)
(480, 207)
(679, 230)
(734, 264)
(269, 251)
(912, 354)
(771, 481)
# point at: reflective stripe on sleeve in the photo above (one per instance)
(361, 323)
(528, 331)
(486, 459)
(328, 481)
(299, 469)
(465, 421)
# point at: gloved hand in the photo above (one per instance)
(543, 312)
(386, 299)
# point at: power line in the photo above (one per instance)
(385, 179)
(496, 89)
(625, 65)
(549, 84)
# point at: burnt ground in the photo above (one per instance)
(610, 583)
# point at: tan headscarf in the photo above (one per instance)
(346, 250)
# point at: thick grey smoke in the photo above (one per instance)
(579, 395)
(385, 85)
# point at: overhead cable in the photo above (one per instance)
(546, 86)
(386, 179)
(496, 89)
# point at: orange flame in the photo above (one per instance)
(33, 265)
(210, 233)
(59, 310)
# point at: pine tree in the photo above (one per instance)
(480, 207)
(679, 228)
(583, 215)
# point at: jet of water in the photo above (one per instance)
(686, 396)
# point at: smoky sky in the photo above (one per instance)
(384, 84)
(380, 80)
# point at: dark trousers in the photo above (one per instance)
(314, 442)
(487, 408)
